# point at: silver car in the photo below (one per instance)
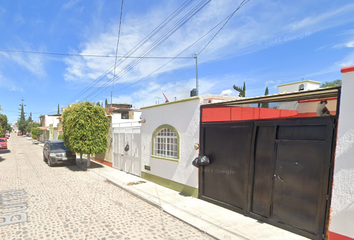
(55, 152)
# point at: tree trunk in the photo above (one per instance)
(88, 161)
(81, 159)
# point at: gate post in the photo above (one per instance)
(342, 205)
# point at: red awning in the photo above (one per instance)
(43, 128)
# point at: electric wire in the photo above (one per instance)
(82, 55)
(228, 19)
(152, 46)
(158, 42)
(115, 60)
(141, 43)
(204, 35)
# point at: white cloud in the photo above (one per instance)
(228, 92)
(245, 33)
(69, 4)
(349, 44)
(18, 19)
(8, 84)
(2, 10)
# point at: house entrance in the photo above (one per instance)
(127, 149)
(276, 171)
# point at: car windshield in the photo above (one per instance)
(2, 140)
(57, 146)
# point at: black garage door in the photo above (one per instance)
(277, 171)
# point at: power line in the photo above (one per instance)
(228, 19)
(225, 19)
(81, 55)
(180, 22)
(160, 39)
(115, 60)
(140, 44)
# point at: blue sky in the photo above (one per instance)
(265, 43)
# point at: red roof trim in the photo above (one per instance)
(347, 69)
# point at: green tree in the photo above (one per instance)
(9, 128)
(265, 105)
(36, 131)
(32, 125)
(85, 128)
(29, 120)
(334, 83)
(241, 91)
(22, 123)
(105, 103)
(58, 109)
(3, 125)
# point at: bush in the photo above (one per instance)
(61, 137)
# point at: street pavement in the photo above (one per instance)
(68, 202)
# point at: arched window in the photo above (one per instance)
(301, 87)
(165, 143)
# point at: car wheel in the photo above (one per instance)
(49, 163)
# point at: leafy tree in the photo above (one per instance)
(9, 128)
(105, 103)
(61, 137)
(22, 123)
(98, 104)
(334, 83)
(85, 128)
(32, 125)
(29, 120)
(3, 125)
(242, 91)
(265, 105)
(36, 132)
(58, 109)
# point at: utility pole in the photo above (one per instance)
(111, 99)
(196, 73)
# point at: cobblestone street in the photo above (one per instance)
(65, 202)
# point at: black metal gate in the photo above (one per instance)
(278, 171)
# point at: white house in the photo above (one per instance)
(298, 86)
(124, 121)
(49, 123)
(169, 142)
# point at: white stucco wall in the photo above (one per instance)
(294, 87)
(342, 205)
(117, 118)
(51, 120)
(184, 117)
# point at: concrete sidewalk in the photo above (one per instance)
(216, 221)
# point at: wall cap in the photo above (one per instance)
(347, 69)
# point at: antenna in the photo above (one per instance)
(165, 97)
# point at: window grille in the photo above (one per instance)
(166, 143)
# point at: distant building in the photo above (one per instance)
(298, 86)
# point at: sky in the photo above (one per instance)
(61, 52)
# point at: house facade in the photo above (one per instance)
(168, 138)
(170, 142)
(49, 125)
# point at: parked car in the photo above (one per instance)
(3, 143)
(55, 152)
